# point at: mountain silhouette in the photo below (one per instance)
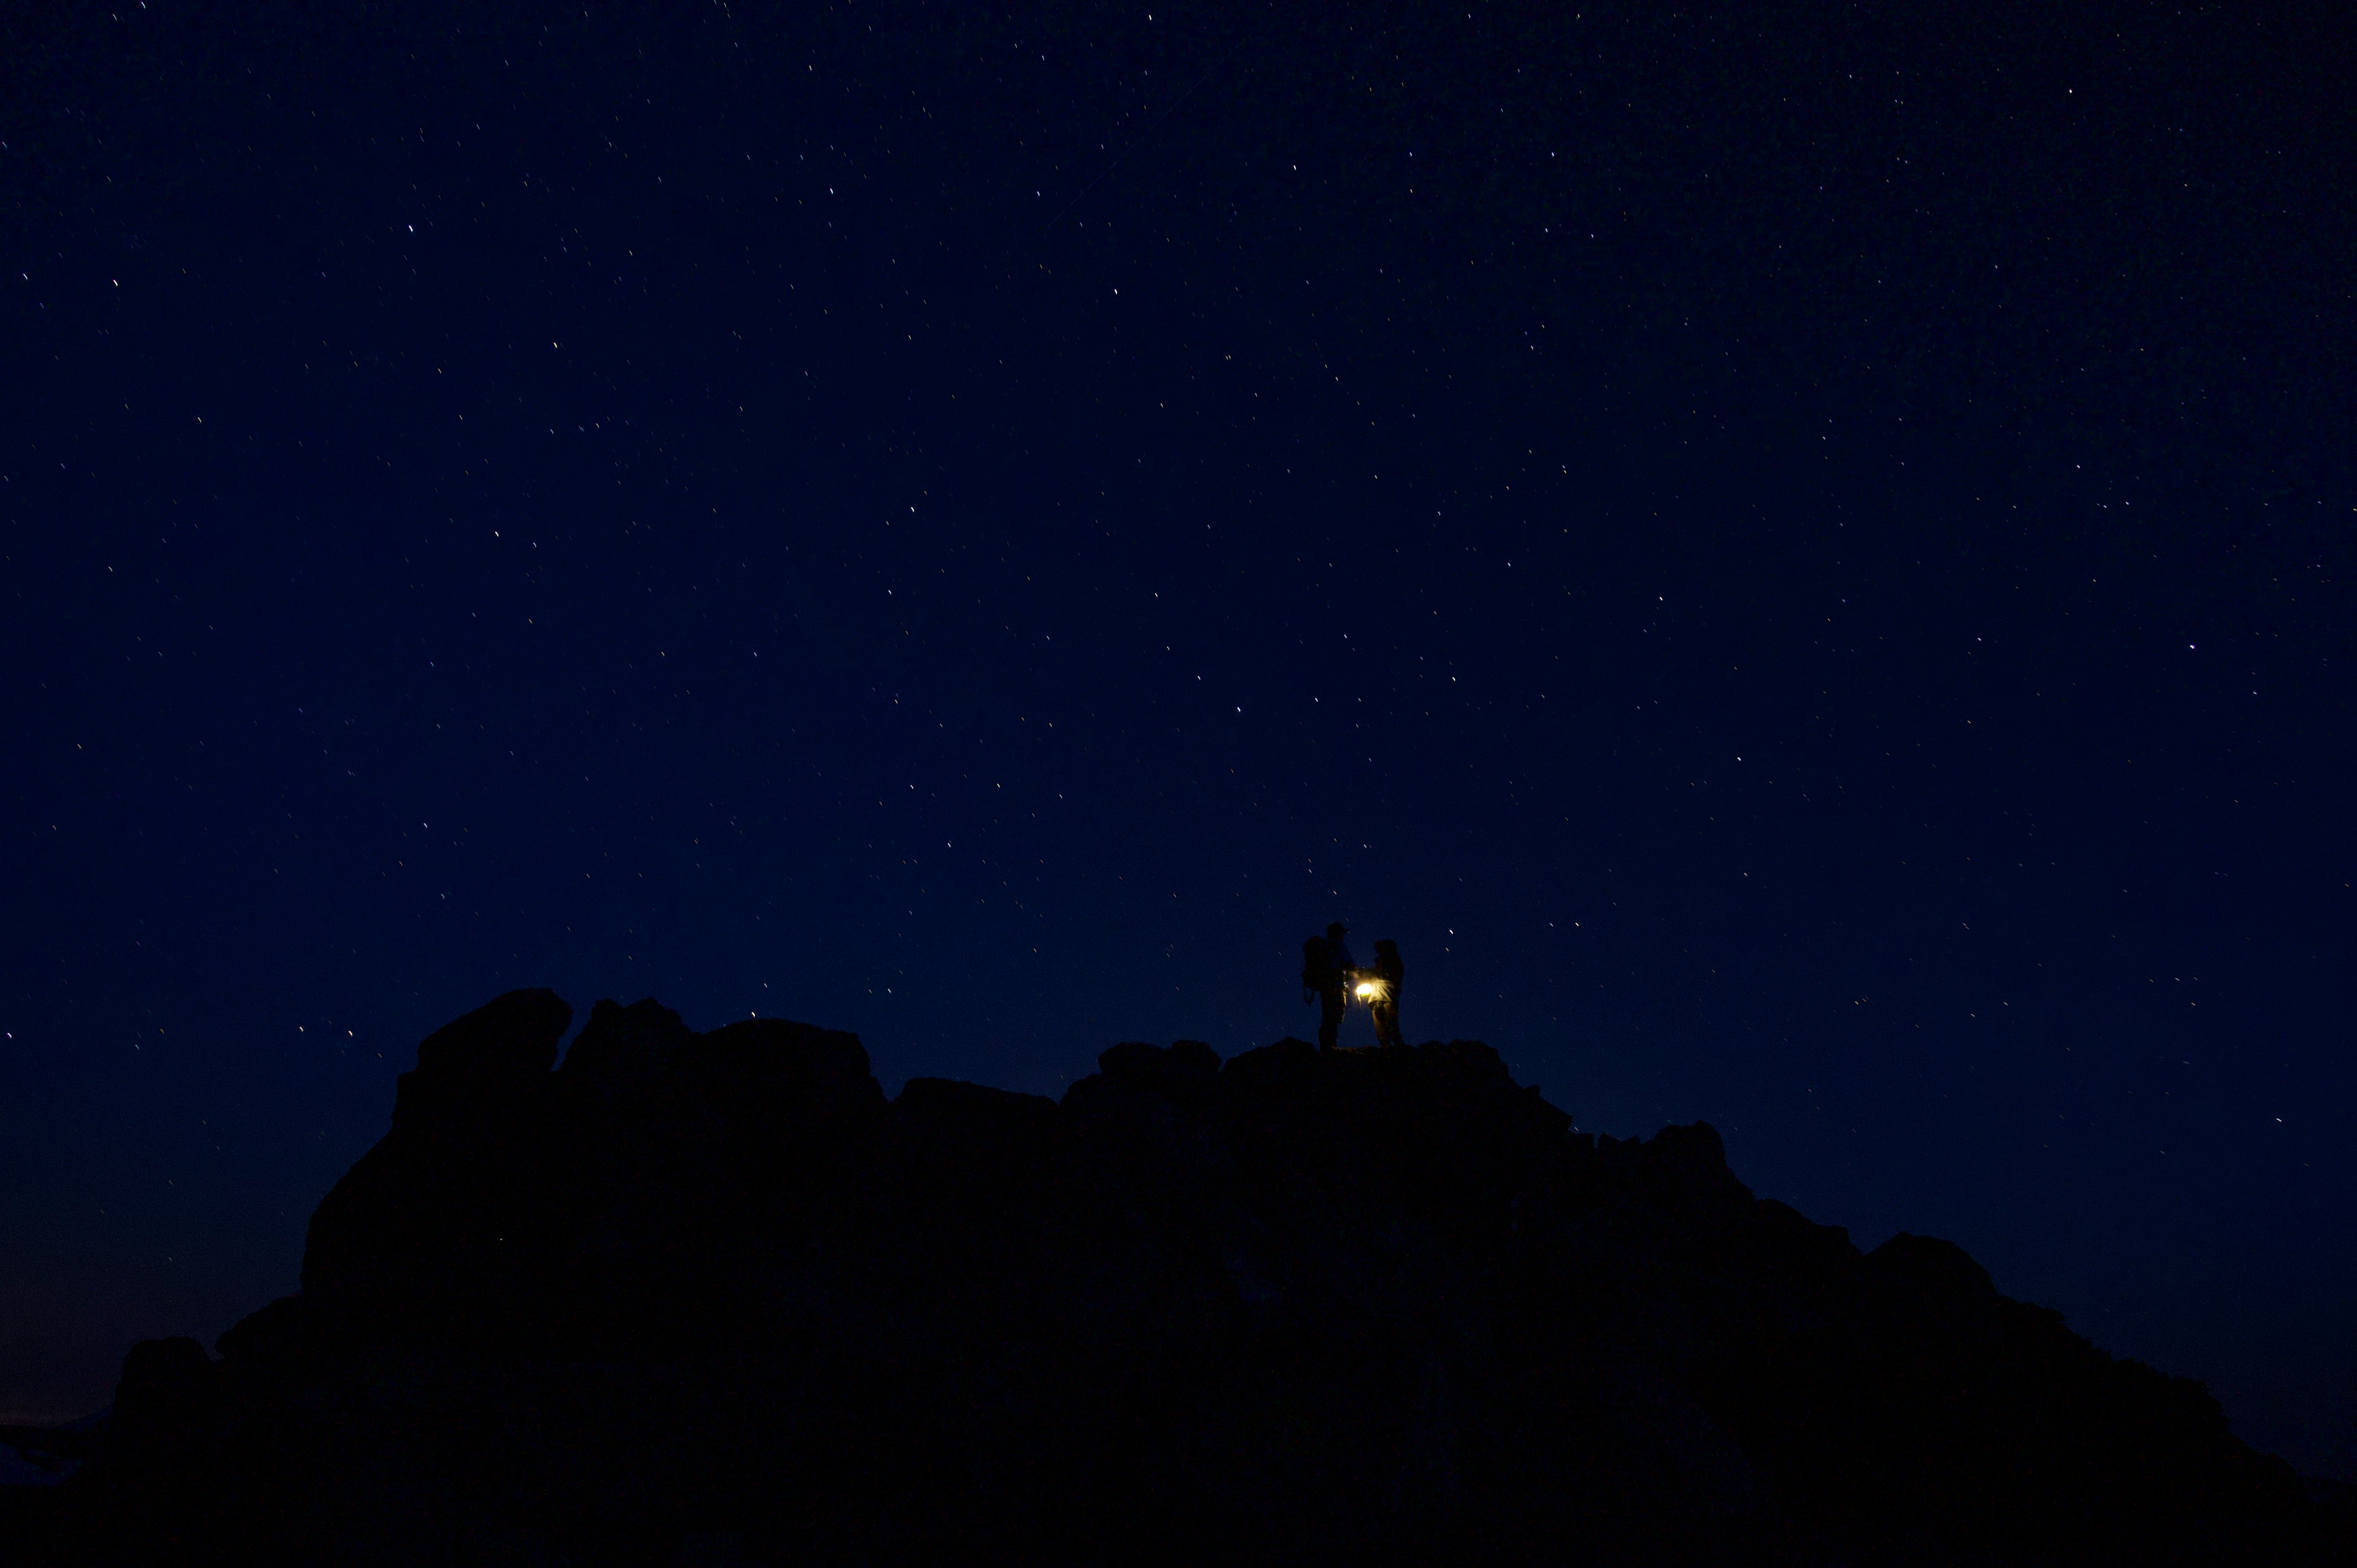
(712, 1298)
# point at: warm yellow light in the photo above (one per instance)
(1367, 988)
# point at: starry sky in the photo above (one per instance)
(1797, 557)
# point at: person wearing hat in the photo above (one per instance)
(1334, 995)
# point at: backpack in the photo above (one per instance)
(1317, 964)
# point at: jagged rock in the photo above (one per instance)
(622, 1049)
(428, 1224)
(1934, 1267)
(710, 1297)
(486, 1067)
(169, 1400)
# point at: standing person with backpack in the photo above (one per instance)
(1325, 966)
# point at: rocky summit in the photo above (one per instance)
(712, 1298)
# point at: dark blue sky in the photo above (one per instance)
(1797, 559)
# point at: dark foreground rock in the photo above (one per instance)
(710, 1299)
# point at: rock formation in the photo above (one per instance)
(710, 1298)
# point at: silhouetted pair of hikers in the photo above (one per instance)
(1330, 975)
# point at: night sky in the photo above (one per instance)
(1797, 556)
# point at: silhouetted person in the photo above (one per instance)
(1331, 983)
(1388, 972)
